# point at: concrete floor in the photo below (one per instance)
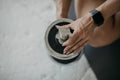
(23, 54)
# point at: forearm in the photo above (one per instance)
(109, 7)
(62, 8)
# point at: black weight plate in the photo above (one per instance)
(53, 42)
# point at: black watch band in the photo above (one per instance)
(97, 17)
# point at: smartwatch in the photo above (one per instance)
(97, 17)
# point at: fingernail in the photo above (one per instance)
(64, 52)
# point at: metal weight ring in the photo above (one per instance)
(53, 43)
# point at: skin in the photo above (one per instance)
(85, 31)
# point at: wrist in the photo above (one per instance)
(87, 23)
(88, 20)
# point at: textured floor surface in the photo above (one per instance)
(23, 54)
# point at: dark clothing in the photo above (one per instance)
(104, 60)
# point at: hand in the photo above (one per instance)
(82, 27)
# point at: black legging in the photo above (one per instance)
(104, 61)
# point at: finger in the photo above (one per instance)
(70, 46)
(72, 38)
(81, 43)
(77, 35)
(81, 37)
(79, 48)
(75, 43)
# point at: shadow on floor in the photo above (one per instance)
(104, 61)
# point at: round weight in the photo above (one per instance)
(53, 45)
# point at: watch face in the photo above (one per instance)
(97, 17)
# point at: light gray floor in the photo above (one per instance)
(23, 54)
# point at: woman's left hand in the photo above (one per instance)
(82, 27)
